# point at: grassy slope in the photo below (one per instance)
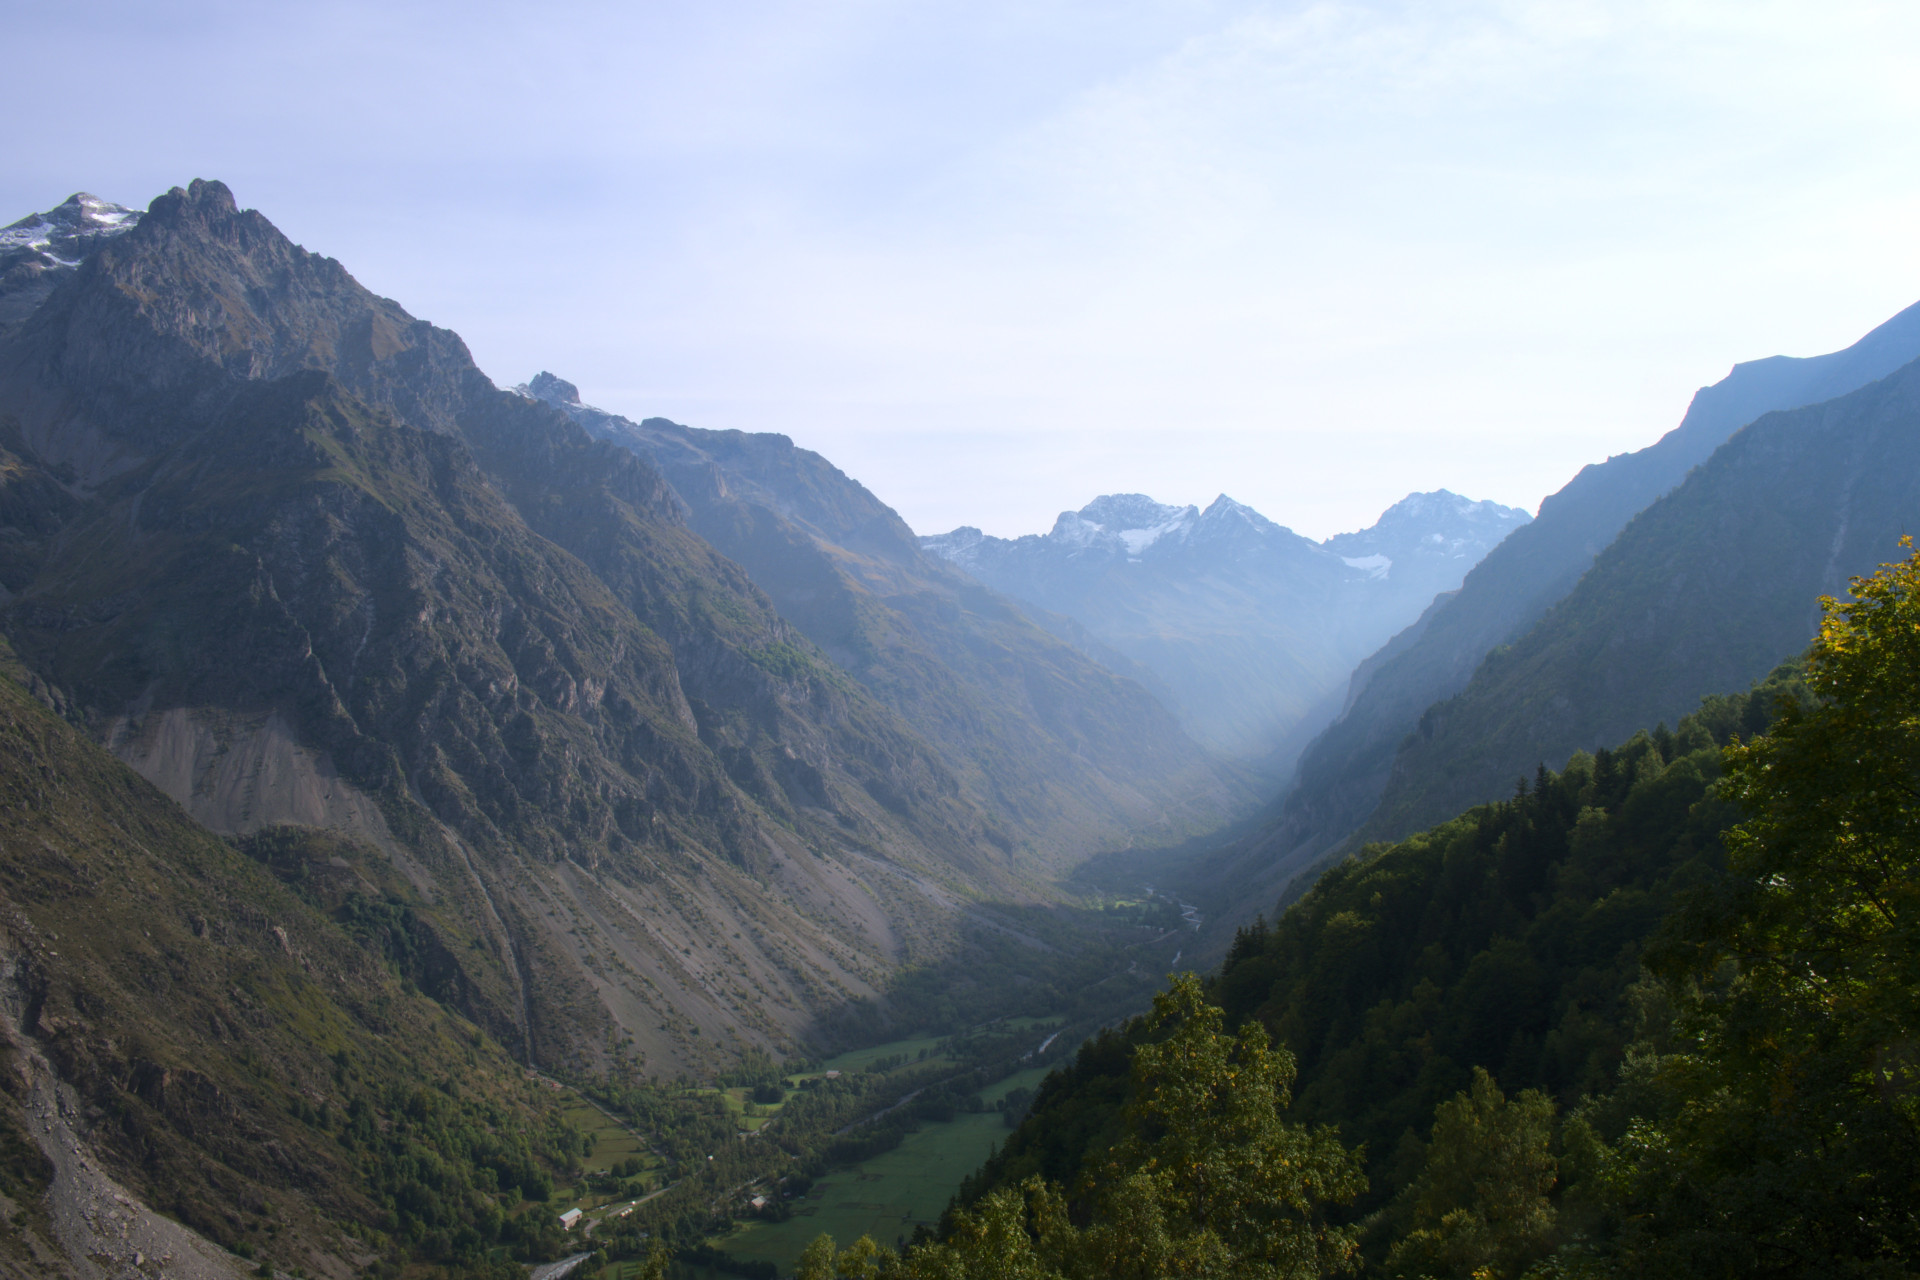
(243, 1063)
(887, 1196)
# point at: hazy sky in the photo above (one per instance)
(997, 258)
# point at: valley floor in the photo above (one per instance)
(887, 1196)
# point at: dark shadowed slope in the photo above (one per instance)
(1071, 758)
(1705, 591)
(1342, 775)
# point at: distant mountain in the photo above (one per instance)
(1249, 630)
(288, 553)
(1073, 758)
(1342, 775)
(37, 250)
(1705, 591)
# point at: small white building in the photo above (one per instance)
(570, 1219)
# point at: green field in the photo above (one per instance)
(747, 1114)
(886, 1196)
(612, 1144)
(862, 1058)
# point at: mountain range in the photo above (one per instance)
(288, 553)
(1247, 630)
(375, 736)
(1076, 758)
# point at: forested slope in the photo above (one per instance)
(1508, 938)
(1653, 1016)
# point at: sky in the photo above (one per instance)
(994, 259)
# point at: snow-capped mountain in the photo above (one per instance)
(41, 247)
(1249, 629)
(1437, 536)
(1124, 526)
(64, 234)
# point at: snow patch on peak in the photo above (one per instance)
(1127, 522)
(1376, 566)
(1120, 511)
(1138, 540)
(69, 231)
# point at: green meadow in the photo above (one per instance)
(860, 1059)
(885, 1197)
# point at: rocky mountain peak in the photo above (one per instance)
(957, 547)
(1226, 518)
(66, 233)
(555, 391)
(202, 198)
(42, 248)
(1119, 512)
(1431, 526)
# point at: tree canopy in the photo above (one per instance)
(1784, 1137)
(1208, 1179)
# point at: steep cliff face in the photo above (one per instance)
(288, 551)
(1069, 757)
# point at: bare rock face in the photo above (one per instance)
(297, 558)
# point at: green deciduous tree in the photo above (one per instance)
(1208, 1180)
(1787, 1133)
(1481, 1206)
